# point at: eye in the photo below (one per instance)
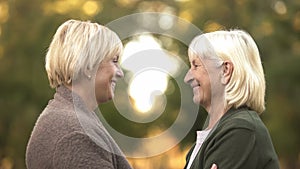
(196, 65)
(116, 59)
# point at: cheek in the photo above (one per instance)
(100, 83)
(104, 84)
(207, 86)
(199, 78)
(103, 76)
(98, 80)
(98, 90)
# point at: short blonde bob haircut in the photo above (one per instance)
(247, 83)
(78, 46)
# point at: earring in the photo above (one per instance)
(89, 77)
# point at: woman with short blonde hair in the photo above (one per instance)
(228, 80)
(82, 64)
(77, 47)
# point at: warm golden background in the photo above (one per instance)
(27, 26)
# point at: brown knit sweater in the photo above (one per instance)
(67, 135)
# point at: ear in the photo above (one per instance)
(227, 69)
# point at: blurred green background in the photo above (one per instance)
(27, 27)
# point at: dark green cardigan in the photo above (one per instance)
(239, 140)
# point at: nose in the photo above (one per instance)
(120, 73)
(188, 77)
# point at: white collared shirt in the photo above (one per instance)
(201, 136)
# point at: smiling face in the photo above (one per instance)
(106, 77)
(198, 78)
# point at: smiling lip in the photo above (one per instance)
(195, 85)
(114, 81)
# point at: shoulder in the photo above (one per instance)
(55, 121)
(80, 139)
(240, 119)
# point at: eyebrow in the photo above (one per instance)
(116, 57)
(196, 62)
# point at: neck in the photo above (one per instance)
(216, 111)
(85, 94)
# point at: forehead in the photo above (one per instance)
(116, 53)
(195, 58)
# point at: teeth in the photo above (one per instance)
(113, 85)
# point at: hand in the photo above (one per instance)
(214, 166)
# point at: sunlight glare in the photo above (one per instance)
(150, 81)
(144, 42)
(145, 86)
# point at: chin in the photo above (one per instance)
(196, 101)
(104, 99)
(111, 95)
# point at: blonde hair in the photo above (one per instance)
(247, 83)
(78, 46)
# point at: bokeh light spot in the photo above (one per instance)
(4, 14)
(296, 21)
(186, 15)
(212, 26)
(91, 8)
(280, 7)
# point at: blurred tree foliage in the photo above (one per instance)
(26, 29)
